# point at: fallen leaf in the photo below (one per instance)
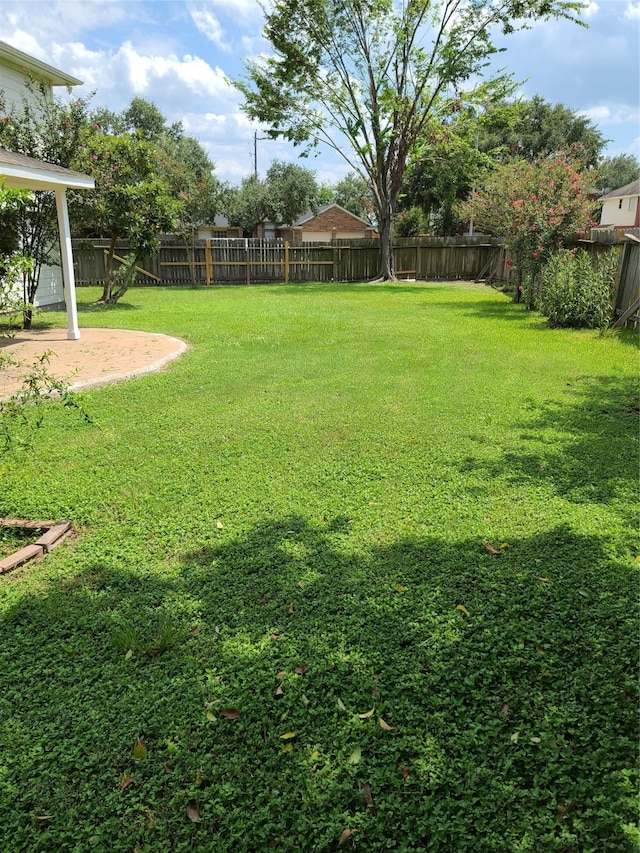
(384, 725)
(504, 545)
(287, 747)
(365, 790)
(400, 588)
(126, 782)
(194, 630)
(535, 740)
(211, 703)
(217, 629)
(292, 609)
(139, 750)
(542, 580)
(44, 817)
(211, 716)
(341, 705)
(276, 635)
(367, 714)
(287, 736)
(515, 737)
(462, 609)
(166, 767)
(281, 674)
(346, 835)
(129, 655)
(230, 713)
(488, 547)
(193, 813)
(219, 525)
(304, 700)
(301, 584)
(505, 709)
(315, 754)
(300, 670)
(405, 771)
(279, 692)
(284, 716)
(355, 756)
(540, 650)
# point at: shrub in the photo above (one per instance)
(410, 223)
(575, 290)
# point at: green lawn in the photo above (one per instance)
(310, 488)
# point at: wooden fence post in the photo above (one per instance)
(208, 262)
(286, 262)
(246, 248)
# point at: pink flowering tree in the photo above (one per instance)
(130, 202)
(536, 208)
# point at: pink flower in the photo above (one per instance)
(509, 263)
(116, 168)
(94, 156)
(96, 127)
(534, 197)
(5, 119)
(536, 254)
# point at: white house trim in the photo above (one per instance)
(18, 171)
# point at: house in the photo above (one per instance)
(56, 285)
(219, 230)
(331, 222)
(621, 207)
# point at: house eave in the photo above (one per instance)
(29, 64)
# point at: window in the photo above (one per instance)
(620, 205)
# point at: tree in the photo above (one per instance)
(129, 202)
(535, 208)
(616, 172)
(353, 193)
(368, 77)
(287, 192)
(48, 129)
(442, 172)
(533, 129)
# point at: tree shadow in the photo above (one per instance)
(585, 446)
(505, 683)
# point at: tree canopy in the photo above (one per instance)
(368, 77)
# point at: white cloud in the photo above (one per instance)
(632, 11)
(209, 25)
(614, 114)
(590, 9)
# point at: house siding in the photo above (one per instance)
(339, 223)
(13, 83)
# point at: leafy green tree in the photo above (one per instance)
(353, 193)
(532, 129)
(535, 208)
(443, 171)
(287, 192)
(617, 171)
(411, 222)
(130, 202)
(48, 129)
(369, 76)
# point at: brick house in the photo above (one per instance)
(331, 222)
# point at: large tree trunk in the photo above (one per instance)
(386, 270)
(107, 285)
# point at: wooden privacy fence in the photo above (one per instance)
(247, 261)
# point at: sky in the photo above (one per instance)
(182, 55)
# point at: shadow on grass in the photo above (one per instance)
(591, 455)
(508, 684)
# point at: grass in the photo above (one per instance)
(281, 546)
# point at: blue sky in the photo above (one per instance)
(180, 55)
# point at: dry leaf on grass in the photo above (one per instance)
(230, 713)
(126, 782)
(384, 725)
(346, 835)
(193, 813)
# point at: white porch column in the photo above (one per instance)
(66, 256)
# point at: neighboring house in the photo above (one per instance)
(621, 207)
(331, 222)
(219, 229)
(57, 285)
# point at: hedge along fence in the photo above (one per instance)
(247, 261)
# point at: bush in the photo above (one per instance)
(575, 290)
(411, 222)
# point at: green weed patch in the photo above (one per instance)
(356, 572)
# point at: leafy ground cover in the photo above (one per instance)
(280, 627)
